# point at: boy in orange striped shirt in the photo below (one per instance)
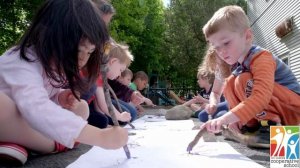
(261, 86)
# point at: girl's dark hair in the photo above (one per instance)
(55, 34)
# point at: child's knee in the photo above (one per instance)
(244, 83)
(203, 116)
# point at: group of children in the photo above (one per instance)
(51, 87)
(57, 62)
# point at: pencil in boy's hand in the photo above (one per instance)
(196, 139)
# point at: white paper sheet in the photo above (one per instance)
(162, 144)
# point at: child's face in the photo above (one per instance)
(85, 49)
(125, 80)
(115, 67)
(202, 82)
(107, 18)
(231, 46)
(141, 84)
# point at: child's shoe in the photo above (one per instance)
(12, 154)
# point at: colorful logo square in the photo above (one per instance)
(284, 146)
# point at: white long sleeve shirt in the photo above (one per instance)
(36, 99)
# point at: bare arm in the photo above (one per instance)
(215, 96)
(100, 105)
(108, 138)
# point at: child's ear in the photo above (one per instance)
(112, 60)
(249, 35)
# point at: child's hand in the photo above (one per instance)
(67, 100)
(140, 110)
(214, 125)
(124, 116)
(236, 127)
(115, 137)
(137, 98)
(199, 99)
(211, 108)
(149, 102)
(195, 107)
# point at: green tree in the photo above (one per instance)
(15, 16)
(140, 24)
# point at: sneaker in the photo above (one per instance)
(12, 154)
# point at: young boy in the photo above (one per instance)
(140, 81)
(119, 59)
(124, 93)
(261, 86)
(126, 77)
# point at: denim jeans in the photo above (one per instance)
(126, 107)
(222, 108)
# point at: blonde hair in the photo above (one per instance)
(213, 64)
(121, 52)
(232, 17)
(127, 72)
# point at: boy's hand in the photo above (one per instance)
(137, 98)
(140, 110)
(236, 127)
(67, 100)
(216, 124)
(149, 102)
(125, 117)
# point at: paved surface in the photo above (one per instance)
(261, 156)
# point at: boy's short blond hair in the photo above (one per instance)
(231, 17)
(127, 72)
(121, 52)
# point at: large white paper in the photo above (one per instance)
(158, 143)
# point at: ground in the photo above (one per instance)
(260, 156)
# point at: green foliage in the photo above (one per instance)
(140, 24)
(15, 16)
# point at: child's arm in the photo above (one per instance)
(190, 102)
(215, 124)
(100, 103)
(108, 138)
(136, 98)
(149, 102)
(215, 96)
(201, 100)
